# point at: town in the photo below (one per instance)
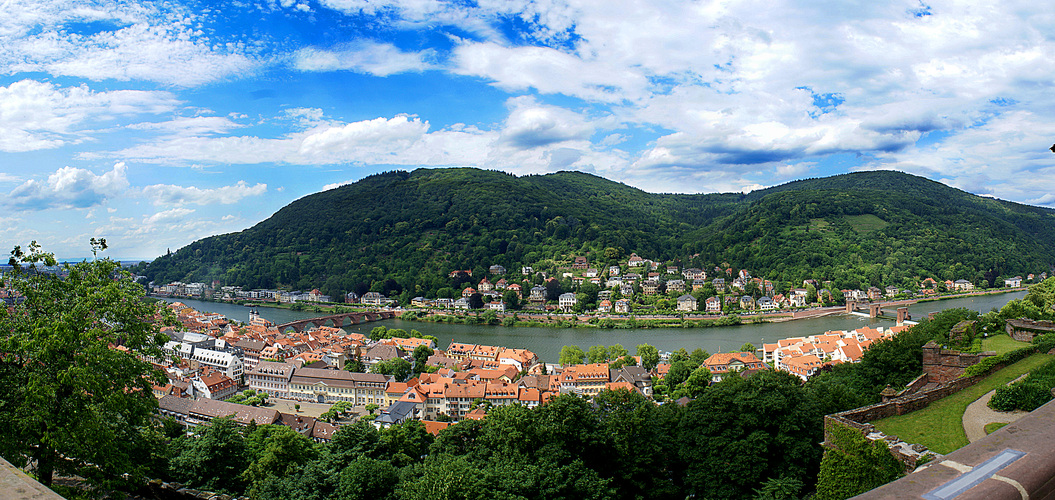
(254, 372)
(637, 287)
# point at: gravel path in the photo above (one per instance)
(979, 413)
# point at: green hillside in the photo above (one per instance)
(404, 232)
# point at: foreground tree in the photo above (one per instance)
(74, 397)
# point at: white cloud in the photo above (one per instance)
(127, 41)
(69, 187)
(378, 59)
(189, 126)
(167, 216)
(532, 125)
(38, 115)
(162, 194)
(396, 132)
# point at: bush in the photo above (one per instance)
(1028, 394)
(986, 365)
(1044, 342)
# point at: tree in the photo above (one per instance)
(854, 465)
(678, 373)
(696, 384)
(396, 367)
(275, 452)
(421, 356)
(617, 351)
(214, 459)
(747, 347)
(476, 301)
(571, 355)
(512, 299)
(367, 479)
(355, 365)
(698, 356)
(597, 354)
(743, 431)
(649, 356)
(74, 397)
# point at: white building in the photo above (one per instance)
(228, 363)
(566, 301)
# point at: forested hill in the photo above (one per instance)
(404, 232)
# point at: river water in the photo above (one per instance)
(547, 342)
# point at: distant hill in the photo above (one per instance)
(404, 232)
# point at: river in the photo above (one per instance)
(547, 342)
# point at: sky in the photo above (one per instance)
(154, 124)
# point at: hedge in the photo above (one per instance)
(1027, 394)
(986, 365)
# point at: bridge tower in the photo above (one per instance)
(874, 310)
(902, 315)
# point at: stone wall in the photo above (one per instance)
(860, 418)
(1024, 329)
(943, 365)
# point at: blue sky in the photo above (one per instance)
(153, 124)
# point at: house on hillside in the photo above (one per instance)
(566, 301)
(724, 363)
(622, 306)
(713, 304)
(686, 303)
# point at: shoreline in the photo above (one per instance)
(586, 320)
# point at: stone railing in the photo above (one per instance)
(17, 485)
(1015, 462)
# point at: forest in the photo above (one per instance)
(403, 233)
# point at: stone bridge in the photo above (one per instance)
(875, 309)
(338, 320)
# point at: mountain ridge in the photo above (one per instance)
(406, 231)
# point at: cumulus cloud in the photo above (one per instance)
(126, 41)
(532, 125)
(378, 59)
(167, 216)
(69, 187)
(379, 132)
(40, 115)
(167, 194)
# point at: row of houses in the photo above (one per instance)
(803, 356)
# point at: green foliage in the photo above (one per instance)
(986, 365)
(249, 397)
(1027, 394)
(742, 432)
(421, 356)
(866, 227)
(395, 367)
(571, 355)
(368, 479)
(215, 459)
(275, 452)
(68, 401)
(649, 356)
(894, 361)
(855, 465)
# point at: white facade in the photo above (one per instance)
(225, 362)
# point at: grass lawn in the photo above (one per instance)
(867, 223)
(992, 427)
(939, 426)
(1001, 343)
